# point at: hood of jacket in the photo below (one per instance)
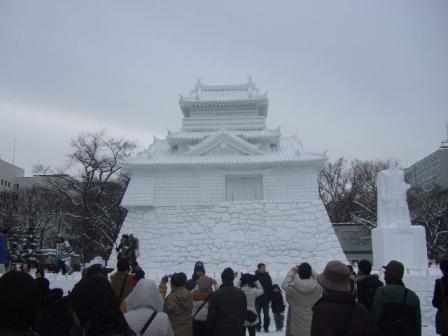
(182, 297)
(369, 281)
(305, 285)
(145, 295)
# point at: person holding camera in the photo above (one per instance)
(252, 288)
(302, 292)
(179, 306)
(262, 302)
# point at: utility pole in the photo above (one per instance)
(14, 152)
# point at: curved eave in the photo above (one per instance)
(185, 140)
(264, 164)
(260, 103)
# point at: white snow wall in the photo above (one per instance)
(237, 234)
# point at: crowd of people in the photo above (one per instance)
(334, 302)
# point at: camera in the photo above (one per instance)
(167, 277)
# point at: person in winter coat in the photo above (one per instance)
(262, 302)
(366, 284)
(336, 312)
(252, 288)
(389, 300)
(55, 317)
(278, 307)
(20, 301)
(199, 270)
(4, 255)
(302, 292)
(440, 300)
(96, 309)
(227, 308)
(201, 298)
(179, 305)
(124, 250)
(121, 280)
(145, 304)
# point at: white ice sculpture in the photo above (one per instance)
(395, 237)
(392, 206)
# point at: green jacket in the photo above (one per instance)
(395, 293)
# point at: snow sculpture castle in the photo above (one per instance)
(227, 190)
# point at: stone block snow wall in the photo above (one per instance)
(237, 234)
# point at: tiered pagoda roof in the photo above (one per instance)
(206, 96)
(225, 126)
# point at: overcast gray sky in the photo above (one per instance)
(361, 79)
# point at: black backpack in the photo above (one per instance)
(398, 318)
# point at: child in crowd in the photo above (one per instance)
(278, 307)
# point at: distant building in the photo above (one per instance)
(13, 178)
(431, 170)
(9, 174)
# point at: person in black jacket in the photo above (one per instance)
(227, 308)
(20, 301)
(278, 307)
(366, 284)
(262, 302)
(95, 309)
(440, 300)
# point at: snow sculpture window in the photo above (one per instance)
(244, 187)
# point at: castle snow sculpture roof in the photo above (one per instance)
(225, 125)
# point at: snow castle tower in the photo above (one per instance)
(227, 190)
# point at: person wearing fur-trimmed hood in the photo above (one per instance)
(302, 291)
(144, 301)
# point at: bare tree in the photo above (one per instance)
(335, 190)
(349, 192)
(43, 208)
(94, 190)
(429, 208)
(8, 208)
(364, 187)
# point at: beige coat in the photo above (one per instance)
(178, 306)
(117, 280)
(301, 295)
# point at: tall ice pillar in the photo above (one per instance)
(395, 237)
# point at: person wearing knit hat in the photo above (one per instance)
(199, 270)
(227, 308)
(394, 302)
(336, 312)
